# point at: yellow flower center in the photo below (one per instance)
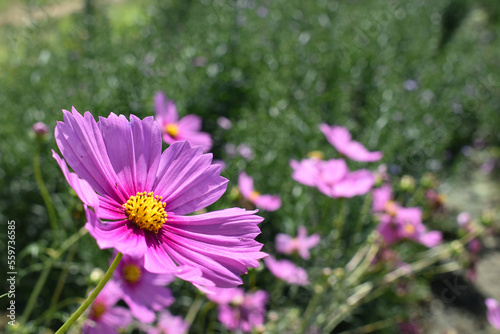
(172, 130)
(253, 196)
(98, 308)
(131, 273)
(409, 228)
(391, 208)
(146, 211)
(316, 154)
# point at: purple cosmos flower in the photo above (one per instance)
(175, 129)
(104, 316)
(332, 177)
(238, 310)
(169, 324)
(143, 291)
(407, 224)
(287, 271)
(285, 244)
(341, 139)
(140, 198)
(265, 202)
(493, 312)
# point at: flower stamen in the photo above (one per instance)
(146, 211)
(131, 273)
(172, 129)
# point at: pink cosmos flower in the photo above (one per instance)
(341, 139)
(265, 202)
(140, 198)
(169, 324)
(175, 129)
(397, 223)
(104, 316)
(285, 244)
(143, 291)
(240, 311)
(332, 177)
(287, 271)
(407, 224)
(493, 312)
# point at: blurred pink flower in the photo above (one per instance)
(175, 129)
(397, 223)
(287, 271)
(169, 324)
(135, 282)
(463, 219)
(332, 177)
(341, 139)
(240, 311)
(224, 123)
(265, 202)
(104, 317)
(408, 327)
(407, 224)
(493, 313)
(285, 244)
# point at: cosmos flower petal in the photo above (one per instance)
(82, 146)
(284, 244)
(286, 270)
(190, 123)
(306, 171)
(187, 180)
(122, 235)
(245, 183)
(340, 138)
(381, 196)
(268, 202)
(81, 187)
(165, 110)
(354, 184)
(117, 317)
(139, 307)
(430, 239)
(493, 312)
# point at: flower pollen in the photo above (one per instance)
(316, 154)
(172, 129)
(97, 310)
(131, 273)
(253, 196)
(146, 211)
(409, 228)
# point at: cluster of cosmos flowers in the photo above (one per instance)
(139, 200)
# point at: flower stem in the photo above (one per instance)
(193, 310)
(36, 292)
(92, 296)
(45, 195)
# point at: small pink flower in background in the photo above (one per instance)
(340, 138)
(265, 202)
(409, 327)
(407, 224)
(169, 324)
(40, 129)
(493, 313)
(245, 151)
(137, 200)
(287, 271)
(224, 123)
(285, 244)
(332, 177)
(306, 171)
(136, 283)
(239, 310)
(104, 317)
(175, 129)
(463, 219)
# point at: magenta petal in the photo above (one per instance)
(430, 239)
(354, 184)
(165, 110)
(381, 196)
(122, 235)
(245, 183)
(81, 187)
(287, 271)
(268, 202)
(82, 146)
(493, 313)
(284, 244)
(187, 180)
(190, 123)
(306, 171)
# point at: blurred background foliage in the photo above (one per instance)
(418, 80)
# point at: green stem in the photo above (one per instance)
(45, 195)
(61, 281)
(193, 310)
(92, 296)
(36, 292)
(338, 222)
